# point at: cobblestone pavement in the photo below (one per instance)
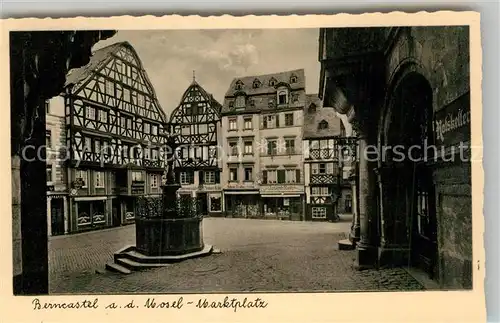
(257, 255)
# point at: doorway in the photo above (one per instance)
(117, 214)
(415, 197)
(57, 216)
(202, 203)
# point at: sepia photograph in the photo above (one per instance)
(242, 160)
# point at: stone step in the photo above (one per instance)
(346, 244)
(117, 268)
(134, 265)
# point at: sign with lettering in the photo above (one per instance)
(452, 123)
(277, 189)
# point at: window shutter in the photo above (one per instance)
(281, 176)
(191, 177)
(217, 177)
(277, 120)
(201, 177)
(264, 177)
(297, 175)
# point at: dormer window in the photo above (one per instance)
(272, 82)
(256, 84)
(312, 108)
(240, 101)
(238, 85)
(293, 79)
(282, 97)
(231, 104)
(323, 125)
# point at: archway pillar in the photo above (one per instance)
(394, 246)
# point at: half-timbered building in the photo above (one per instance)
(195, 123)
(328, 191)
(115, 137)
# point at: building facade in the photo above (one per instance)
(115, 133)
(262, 119)
(196, 126)
(404, 87)
(326, 171)
(57, 181)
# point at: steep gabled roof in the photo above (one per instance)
(312, 119)
(281, 77)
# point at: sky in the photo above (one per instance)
(218, 56)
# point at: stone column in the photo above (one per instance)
(394, 247)
(49, 217)
(367, 251)
(354, 234)
(66, 215)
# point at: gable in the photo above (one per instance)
(197, 106)
(121, 82)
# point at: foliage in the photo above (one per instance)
(153, 207)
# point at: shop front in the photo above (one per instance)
(283, 202)
(89, 213)
(242, 203)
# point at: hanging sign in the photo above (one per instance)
(452, 123)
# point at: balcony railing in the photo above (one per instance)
(324, 153)
(324, 179)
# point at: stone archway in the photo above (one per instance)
(407, 194)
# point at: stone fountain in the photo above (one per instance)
(167, 229)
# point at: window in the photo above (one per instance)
(240, 101)
(97, 146)
(154, 129)
(271, 147)
(318, 212)
(186, 178)
(140, 99)
(129, 123)
(154, 181)
(282, 97)
(248, 148)
(47, 107)
(209, 177)
(110, 90)
(272, 82)
(256, 84)
(103, 116)
(99, 179)
(88, 145)
(270, 121)
(320, 191)
(323, 125)
(272, 177)
(215, 203)
(290, 146)
(90, 113)
(81, 176)
(126, 95)
(290, 176)
(146, 127)
(248, 174)
(231, 104)
(49, 173)
(289, 119)
(48, 139)
(293, 79)
(248, 123)
(137, 177)
(233, 148)
(322, 168)
(238, 85)
(232, 124)
(154, 154)
(233, 174)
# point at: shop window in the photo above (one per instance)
(318, 212)
(98, 208)
(215, 204)
(83, 217)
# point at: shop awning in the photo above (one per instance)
(241, 192)
(280, 195)
(90, 198)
